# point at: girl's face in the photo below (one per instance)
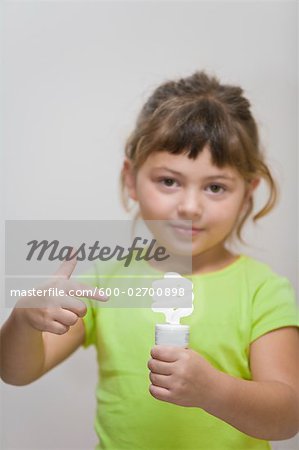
(175, 188)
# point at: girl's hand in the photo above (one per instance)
(56, 314)
(180, 376)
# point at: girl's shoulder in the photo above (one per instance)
(260, 270)
(247, 273)
(257, 267)
(243, 264)
(266, 282)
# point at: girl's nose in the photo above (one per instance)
(190, 205)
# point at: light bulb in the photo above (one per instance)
(172, 332)
(170, 305)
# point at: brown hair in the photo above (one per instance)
(184, 116)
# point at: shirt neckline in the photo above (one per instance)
(215, 273)
(229, 268)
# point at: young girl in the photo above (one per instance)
(193, 156)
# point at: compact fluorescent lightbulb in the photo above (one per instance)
(172, 333)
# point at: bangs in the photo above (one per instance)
(187, 128)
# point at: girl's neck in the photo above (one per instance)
(211, 260)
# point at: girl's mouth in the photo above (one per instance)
(185, 230)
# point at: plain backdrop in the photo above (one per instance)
(75, 75)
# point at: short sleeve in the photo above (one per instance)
(274, 306)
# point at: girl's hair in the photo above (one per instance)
(184, 116)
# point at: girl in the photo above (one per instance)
(193, 156)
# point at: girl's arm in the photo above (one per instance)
(22, 351)
(27, 353)
(268, 406)
(33, 340)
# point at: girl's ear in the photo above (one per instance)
(252, 185)
(129, 178)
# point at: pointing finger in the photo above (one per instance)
(67, 267)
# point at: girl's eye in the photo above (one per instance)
(168, 182)
(216, 188)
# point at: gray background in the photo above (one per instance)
(75, 75)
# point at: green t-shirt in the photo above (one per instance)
(232, 308)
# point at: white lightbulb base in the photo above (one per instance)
(169, 334)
